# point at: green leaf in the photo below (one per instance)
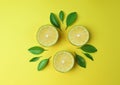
(34, 59)
(42, 64)
(36, 50)
(89, 48)
(61, 15)
(54, 21)
(88, 56)
(80, 61)
(71, 18)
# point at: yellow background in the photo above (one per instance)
(19, 22)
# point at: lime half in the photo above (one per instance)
(78, 35)
(63, 61)
(47, 35)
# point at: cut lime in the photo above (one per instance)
(47, 35)
(78, 35)
(63, 61)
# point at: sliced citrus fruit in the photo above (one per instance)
(63, 61)
(78, 35)
(47, 35)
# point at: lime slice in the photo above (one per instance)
(63, 61)
(78, 35)
(47, 35)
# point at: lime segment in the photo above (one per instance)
(47, 35)
(78, 35)
(63, 61)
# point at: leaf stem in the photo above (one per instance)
(66, 27)
(60, 29)
(45, 50)
(49, 57)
